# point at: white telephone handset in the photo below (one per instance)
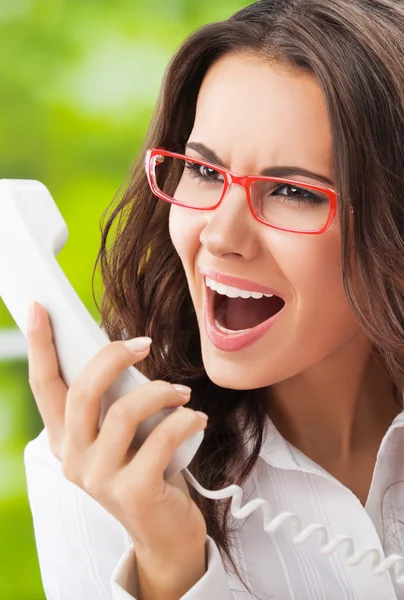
(32, 233)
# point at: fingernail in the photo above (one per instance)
(32, 315)
(138, 344)
(203, 416)
(184, 390)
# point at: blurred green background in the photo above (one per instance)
(78, 81)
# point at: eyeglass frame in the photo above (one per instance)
(244, 181)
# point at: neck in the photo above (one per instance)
(339, 407)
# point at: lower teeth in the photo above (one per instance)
(230, 330)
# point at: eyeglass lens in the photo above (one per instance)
(276, 202)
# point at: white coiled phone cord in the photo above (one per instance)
(272, 524)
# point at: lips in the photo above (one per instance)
(237, 282)
(238, 340)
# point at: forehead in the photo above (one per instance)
(254, 114)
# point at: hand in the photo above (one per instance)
(160, 516)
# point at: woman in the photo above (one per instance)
(274, 169)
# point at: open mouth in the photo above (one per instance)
(240, 314)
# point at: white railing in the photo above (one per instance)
(13, 344)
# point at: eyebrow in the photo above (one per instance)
(282, 171)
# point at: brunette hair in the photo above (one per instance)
(355, 49)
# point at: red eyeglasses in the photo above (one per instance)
(195, 183)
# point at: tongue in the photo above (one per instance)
(245, 313)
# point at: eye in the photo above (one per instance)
(293, 191)
(202, 172)
(298, 193)
(209, 173)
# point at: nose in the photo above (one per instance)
(231, 229)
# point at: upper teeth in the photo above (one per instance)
(233, 292)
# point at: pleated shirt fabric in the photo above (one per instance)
(86, 554)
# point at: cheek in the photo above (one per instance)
(185, 228)
(312, 265)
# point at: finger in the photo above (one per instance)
(48, 387)
(147, 468)
(83, 405)
(123, 418)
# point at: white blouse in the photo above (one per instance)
(86, 554)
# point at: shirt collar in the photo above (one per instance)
(278, 452)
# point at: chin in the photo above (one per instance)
(227, 373)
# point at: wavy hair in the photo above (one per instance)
(355, 49)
